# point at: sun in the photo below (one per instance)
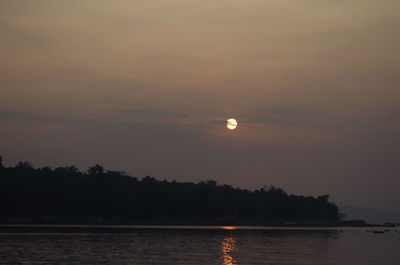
(231, 124)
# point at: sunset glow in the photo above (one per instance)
(231, 124)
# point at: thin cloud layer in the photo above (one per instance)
(147, 86)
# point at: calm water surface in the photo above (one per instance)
(204, 245)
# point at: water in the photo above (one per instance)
(197, 245)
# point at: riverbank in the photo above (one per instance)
(129, 221)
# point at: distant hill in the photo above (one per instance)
(65, 193)
(373, 216)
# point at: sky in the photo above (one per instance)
(146, 87)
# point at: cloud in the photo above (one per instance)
(284, 116)
(143, 117)
(14, 116)
(313, 86)
(147, 113)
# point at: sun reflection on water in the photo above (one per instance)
(229, 227)
(227, 246)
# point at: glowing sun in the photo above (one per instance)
(231, 124)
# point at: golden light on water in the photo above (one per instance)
(231, 124)
(229, 227)
(227, 246)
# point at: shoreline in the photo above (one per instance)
(196, 227)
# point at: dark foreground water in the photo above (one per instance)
(203, 246)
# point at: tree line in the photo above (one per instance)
(66, 192)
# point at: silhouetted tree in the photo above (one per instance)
(95, 170)
(72, 169)
(65, 192)
(24, 165)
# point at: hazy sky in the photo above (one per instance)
(146, 86)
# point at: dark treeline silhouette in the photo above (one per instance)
(65, 193)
